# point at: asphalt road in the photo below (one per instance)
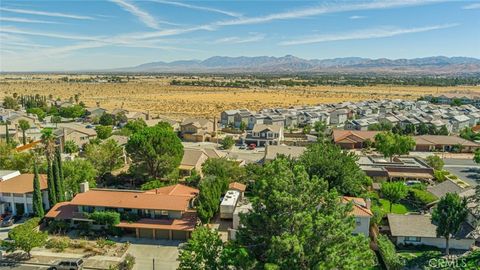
(466, 170)
(22, 267)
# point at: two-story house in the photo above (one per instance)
(162, 213)
(262, 135)
(197, 129)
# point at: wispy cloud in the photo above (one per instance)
(238, 40)
(366, 34)
(325, 9)
(356, 17)
(45, 13)
(145, 17)
(472, 6)
(23, 20)
(14, 30)
(190, 6)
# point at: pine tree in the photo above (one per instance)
(52, 197)
(37, 195)
(60, 188)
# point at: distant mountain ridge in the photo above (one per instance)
(291, 64)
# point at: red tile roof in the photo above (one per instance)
(176, 190)
(359, 206)
(237, 186)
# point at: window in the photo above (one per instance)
(164, 213)
(412, 239)
(358, 222)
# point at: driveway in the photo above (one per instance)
(466, 170)
(154, 254)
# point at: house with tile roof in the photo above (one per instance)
(163, 213)
(362, 213)
(352, 139)
(16, 193)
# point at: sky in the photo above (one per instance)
(73, 35)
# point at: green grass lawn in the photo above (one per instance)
(397, 208)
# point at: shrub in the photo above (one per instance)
(107, 218)
(228, 142)
(103, 242)
(378, 214)
(127, 263)
(440, 176)
(130, 217)
(388, 253)
(58, 244)
(421, 197)
(435, 162)
(57, 227)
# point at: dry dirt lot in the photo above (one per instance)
(155, 94)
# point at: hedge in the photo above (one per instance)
(422, 197)
(388, 253)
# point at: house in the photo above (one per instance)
(272, 151)
(163, 213)
(242, 208)
(227, 118)
(338, 117)
(444, 143)
(95, 113)
(193, 159)
(16, 193)
(153, 122)
(419, 230)
(262, 135)
(447, 186)
(459, 122)
(137, 115)
(350, 139)
(362, 213)
(75, 132)
(274, 120)
(197, 129)
(399, 168)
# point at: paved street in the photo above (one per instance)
(21, 267)
(466, 170)
(249, 156)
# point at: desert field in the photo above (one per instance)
(155, 94)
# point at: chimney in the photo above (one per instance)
(84, 187)
(368, 202)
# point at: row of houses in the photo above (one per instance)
(358, 115)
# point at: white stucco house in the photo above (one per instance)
(362, 213)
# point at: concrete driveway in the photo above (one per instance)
(154, 254)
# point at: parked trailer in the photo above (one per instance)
(229, 202)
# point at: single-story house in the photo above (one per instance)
(352, 139)
(443, 143)
(193, 159)
(272, 151)
(419, 230)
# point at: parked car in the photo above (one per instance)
(252, 146)
(68, 264)
(412, 182)
(242, 146)
(8, 221)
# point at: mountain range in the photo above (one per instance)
(437, 65)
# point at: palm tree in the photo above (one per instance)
(48, 140)
(7, 134)
(24, 126)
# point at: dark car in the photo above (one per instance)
(68, 264)
(8, 221)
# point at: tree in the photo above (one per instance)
(450, 213)
(136, 125)
(105, 157)
(26, 237)
(422, 129)
(38, 112)
(390, 144)
(10, 103)
(76, 172)
(107, 120)
(297, 223)
(103, 132)
(228, 142)
(24, 126)
(37, 194)
(156, 150)
(337, 167)
(307, 129)
(10, 159)
(210, 191)
(71, 147)
(48, 140)
(206, 250)
(74, 111)
(443, 131)
(57, 181)
(476, 157)
(7, 131)
(225, 170)
(394, 192)
(320, 127)
(435, 162)
(52, 194)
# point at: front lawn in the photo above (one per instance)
(397, 208)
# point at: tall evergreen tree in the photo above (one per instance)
(37, 194)
(60, 189)
(52, 197)
(56, 179)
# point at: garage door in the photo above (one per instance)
(146, 233)
(179, 235)
(162, 234)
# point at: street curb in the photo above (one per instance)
(43, 264)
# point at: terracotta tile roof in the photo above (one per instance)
(237, 186)
(359, 206)
(186, 223)
(176, 190)
(22, 184)
(131, 199)
(63, 210)
(353, 135)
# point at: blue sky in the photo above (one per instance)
(96, 34)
